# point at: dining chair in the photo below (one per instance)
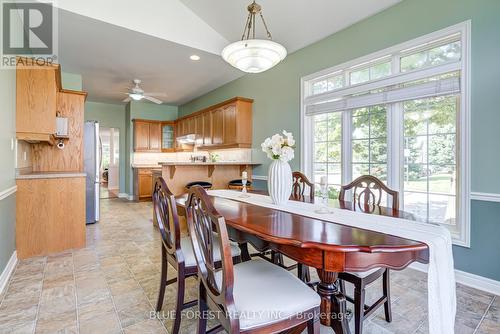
(367, 193)
(236, 293)
(175, 250)
(300, 183)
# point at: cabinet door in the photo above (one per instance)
(145, 185)
(36, 100)
(218, 126)
(198, 120)
(191, 126)
(167, 137)
(141, 136)
(207, 128)
(155, 136)
(230, 124)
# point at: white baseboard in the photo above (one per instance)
(474, 281)
(489, 197)
(7, 192)
(126, 196)
(7, 272)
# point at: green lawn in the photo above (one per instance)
(438, 183)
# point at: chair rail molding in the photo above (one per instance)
(489, 197)
(474, 281)
(7, 272)
(259, 177)
(7, 192)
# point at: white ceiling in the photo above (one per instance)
(112, 44)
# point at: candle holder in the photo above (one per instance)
(323, 209)
(244, 193)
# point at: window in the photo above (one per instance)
(402, 115)
(328, 151)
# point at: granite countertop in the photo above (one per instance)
(137, 166)
(49, 175)
(219, 163)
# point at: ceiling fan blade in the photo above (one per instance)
(152, 99)
(128, 99)
(155, 94)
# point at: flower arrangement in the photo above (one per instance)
(279, 147)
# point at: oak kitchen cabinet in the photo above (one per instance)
(36, 101)
(144, 181)
(225, 125)
(147, 136)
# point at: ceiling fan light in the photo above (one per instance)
(135, 96)
(254, 55)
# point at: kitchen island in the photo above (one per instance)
(177, 174)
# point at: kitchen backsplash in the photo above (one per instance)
(141, 158)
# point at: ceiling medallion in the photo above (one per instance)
(250, 54)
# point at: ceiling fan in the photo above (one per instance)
(136, 93)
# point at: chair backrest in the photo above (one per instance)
(300, 183)
(165, 211)
(370, 193)
(207, 227)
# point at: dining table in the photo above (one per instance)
(328, 247)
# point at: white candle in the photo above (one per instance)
(244, 175)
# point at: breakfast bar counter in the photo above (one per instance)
(179, 173)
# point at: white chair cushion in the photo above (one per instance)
(190, 260)
(265, 293)
(363, 274)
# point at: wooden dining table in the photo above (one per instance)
(328, 247)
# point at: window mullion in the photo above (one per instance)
(346, 147)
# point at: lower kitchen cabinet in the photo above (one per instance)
(50, 215)
(143, 183)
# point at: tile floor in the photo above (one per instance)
(111, 287)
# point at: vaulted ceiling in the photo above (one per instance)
(110, 43)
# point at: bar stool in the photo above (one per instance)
(238, 184)
(203, 184)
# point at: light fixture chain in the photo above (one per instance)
(246, 26)
(265, 26)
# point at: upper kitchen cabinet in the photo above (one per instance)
(231, 125)
(147, 136)
(36, 102)
(167, 136)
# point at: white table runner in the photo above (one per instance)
(441, 274)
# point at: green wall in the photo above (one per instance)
(7, 164)
(111, 116)
(277, 97)
(143, 110)
(71, 81)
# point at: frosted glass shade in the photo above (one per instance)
(254, 55)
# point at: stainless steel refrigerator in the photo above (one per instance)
(92, 162)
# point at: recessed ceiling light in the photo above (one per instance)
(194, 57)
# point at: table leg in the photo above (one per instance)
(245, 255)
(333, 303)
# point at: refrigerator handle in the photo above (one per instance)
(100, 153)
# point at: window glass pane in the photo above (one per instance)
(320, 131)
(415, 177)
(359, 170)
(334, 174)
(442, 149)
(320, 169)
(442, 179)
(380, 71)
(319, 87)
(333, 191)
(360, 112)
(360, 150)
(416, 203)
(442, 209)
(379, 171)
(432, 57)
(320, 152)
(334, 151)
(378, 150)
(378, 124)
(334, 126)
(361, 127)
(360, 76)
(415, 150)
(335, 82)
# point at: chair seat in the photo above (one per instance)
(265, 293)
(190, 260)
(363, 274)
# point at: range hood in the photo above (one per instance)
(187, 139)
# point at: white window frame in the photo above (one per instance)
(461, 231)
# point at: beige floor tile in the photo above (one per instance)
(25, 327)
(150, 326)
(62, 322)
(135, 313)
(103, 323)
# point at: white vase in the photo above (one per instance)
(279, 182)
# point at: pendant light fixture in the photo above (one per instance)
(250, 54)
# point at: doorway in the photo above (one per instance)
(110, 162)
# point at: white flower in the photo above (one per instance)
(289, 138)
(279, 146)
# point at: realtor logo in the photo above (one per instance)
(28, 29)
